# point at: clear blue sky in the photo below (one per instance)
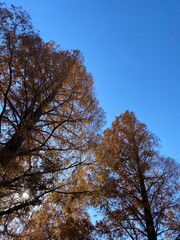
(132, 49)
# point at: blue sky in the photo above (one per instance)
(132, 49)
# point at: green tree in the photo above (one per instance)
(49, 118)
(139, 198)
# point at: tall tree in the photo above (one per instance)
(139, 198)
(49, 117)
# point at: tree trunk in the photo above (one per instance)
(151, 233)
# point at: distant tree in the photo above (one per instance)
(65, 221)
(140, 196)
(49, 118)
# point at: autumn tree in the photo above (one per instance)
(49, 118)
(139, 197)
(61, 218)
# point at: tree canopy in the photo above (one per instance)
(49, 117)
(140, 188)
